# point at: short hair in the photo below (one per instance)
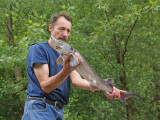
(56, 16)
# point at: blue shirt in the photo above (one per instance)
(44, 53)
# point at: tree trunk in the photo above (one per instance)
(17, 71)
(10, 28)
(121, 60)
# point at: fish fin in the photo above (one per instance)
(73, 61)
(98, 88)
(109, 81)
(93, 83)
(124, 101)
(128, 94)
(60, 60)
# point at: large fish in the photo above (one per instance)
(85, 70)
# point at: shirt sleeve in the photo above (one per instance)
(36, 54)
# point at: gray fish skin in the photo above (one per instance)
(85, 70)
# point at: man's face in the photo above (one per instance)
(61, 29)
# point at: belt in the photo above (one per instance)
(56, 104)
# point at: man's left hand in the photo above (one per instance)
(116, 94)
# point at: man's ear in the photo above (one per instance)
(50, 27)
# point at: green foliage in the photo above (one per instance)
(102, 31)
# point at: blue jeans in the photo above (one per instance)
(39, 110)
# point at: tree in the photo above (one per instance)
(119, 39)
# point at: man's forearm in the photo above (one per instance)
(54, 81)
(81, 83)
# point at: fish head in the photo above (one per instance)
(62, 47)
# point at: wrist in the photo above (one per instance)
(65, 72)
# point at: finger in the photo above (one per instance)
(78, 57)
(68, 57)
(110, 97)
(108, 94)
(123, 92)
(114, 97)
(116, 93)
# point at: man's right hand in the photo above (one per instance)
(67, 67)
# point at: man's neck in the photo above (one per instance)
(49, 41)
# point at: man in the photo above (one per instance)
(49, 83)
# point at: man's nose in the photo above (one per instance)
(65, 33)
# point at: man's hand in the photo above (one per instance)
(116, 94)
(67, 65)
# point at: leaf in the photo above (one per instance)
(30, 21)
(63, 6)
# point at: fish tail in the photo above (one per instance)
(127, 95)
